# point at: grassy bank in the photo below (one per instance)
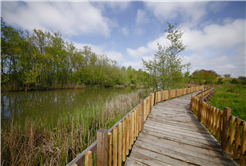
(40, 143)
(233, 97)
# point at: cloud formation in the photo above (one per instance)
(207, 47)
(77, 18)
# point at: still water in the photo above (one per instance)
(52, 104)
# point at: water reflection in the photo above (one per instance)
(50, 104)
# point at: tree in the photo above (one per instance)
(204, 76)
(166, 68)
(227, 75)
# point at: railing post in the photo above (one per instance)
(243, 144)
(154, 96)
(169, 93)
(225, 129)
(88, 158)
(191, 102)
(162, 95)
(142, 113)
(150, 103)
(200, 109)
(102, 147)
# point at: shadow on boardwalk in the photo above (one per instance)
(172, 135)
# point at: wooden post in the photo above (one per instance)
(115, 146)
(120, 145)
(130, 131)
(127, 135)
(176, 92)
(154, 96)
(243, 144)
(133, 132)
(142, 113)
(124, 141)
(88, 158)
(169, 94)
(162, 95)
(102, 147)
(221, 124)
(225, 130)
(182, 91)
(232, 134)
(191, 100)
(109, 148)
(237, 138)
(150, 102)
(217, 124)
(200, 109)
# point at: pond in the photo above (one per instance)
(50, 105)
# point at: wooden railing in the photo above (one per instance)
(228, 129)
(114, 145)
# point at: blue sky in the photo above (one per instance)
(127, 31)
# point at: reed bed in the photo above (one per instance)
(40, 143)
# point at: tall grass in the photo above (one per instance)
(233, 97)
(40, 143)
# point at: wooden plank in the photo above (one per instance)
(204, 138)
(130, 131)
(158, 157)
(201, 130)
(146, 160)
(124, 141)
(232, 134)
(130, 162)
(243, 144)
(201, 158)
(88, 158)
(142, 113)
(115, 146)
(109, 148)
(176, 124)
(120, 144)
(237, 138)
(127, 136)
(102, 147)
(225, 130)
(184, 140)
(194, 149)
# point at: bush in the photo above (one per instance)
(234, 81)
(220, 81)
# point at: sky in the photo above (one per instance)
(128, 31)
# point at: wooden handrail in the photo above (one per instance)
(222, 124)
(134, 124)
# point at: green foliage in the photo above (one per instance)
(42, 60)
(220, 81)
(166, 68)
(204, 76)
(233, 97)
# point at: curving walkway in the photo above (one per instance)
(172, 135)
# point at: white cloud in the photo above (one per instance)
(69, 18)
(141, 17)
(192, 11)
(207, 48)
(125, 31)
(215, 36)
(113, 55)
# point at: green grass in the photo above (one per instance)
(233, 97)
(41, 143)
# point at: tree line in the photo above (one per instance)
(42, 60)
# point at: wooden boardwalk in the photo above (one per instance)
(172, 135)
